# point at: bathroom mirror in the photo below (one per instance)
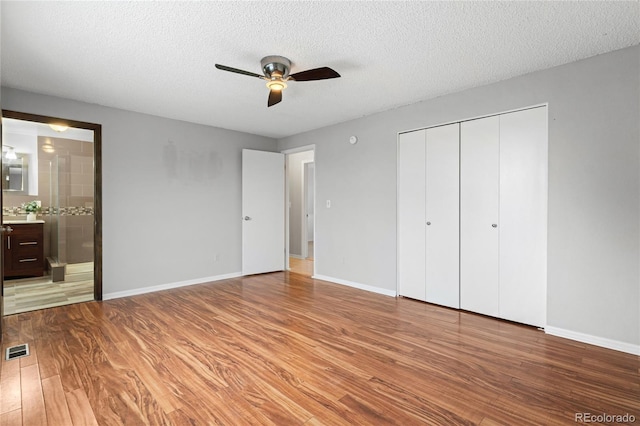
(15, 174)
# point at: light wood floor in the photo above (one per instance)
(28, 294)
(301, 266)
(283, 349)
(310, 250)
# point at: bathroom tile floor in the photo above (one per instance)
(30, 294)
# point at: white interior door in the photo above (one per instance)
(523, 216)
(479, 210)
(411, 215)
(442, 215)
(263, 212)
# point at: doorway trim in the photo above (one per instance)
(305, 212)
(97, 170)
(288, 152)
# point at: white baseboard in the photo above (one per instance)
(594, 340)
(366, 287)
(143, 290)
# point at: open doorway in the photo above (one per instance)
(51, 212)
(301, 210)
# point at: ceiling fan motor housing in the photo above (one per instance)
(275, 66)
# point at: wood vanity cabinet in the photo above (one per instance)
(24, 251)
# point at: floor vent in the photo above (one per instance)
(17, 351)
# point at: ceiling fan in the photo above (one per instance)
(276, 73)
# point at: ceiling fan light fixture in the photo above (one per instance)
(277, 85)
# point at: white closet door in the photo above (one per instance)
(411, 204)
(442, 215)
(479, 209)
(523, 216)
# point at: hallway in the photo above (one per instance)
(303, 266)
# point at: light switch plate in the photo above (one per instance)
(328, 204)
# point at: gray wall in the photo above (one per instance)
(171, 192)
(594, 188)
(295, 169)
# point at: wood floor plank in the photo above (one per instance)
(33, 408)
(64, 360)
(80, 409)
(55, 401)
(284, 348)
(46, 361)
(10, 387)
(152, 379)
(32, 359)
(130, 404)
(12, 418)
(11, 330)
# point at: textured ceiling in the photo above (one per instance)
(158, 57)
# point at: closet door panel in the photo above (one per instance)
(411, 210)
(523, 216)
(479, 209)
(442, 215)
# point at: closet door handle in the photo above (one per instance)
(9, 242)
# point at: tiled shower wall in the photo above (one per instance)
(75, 191)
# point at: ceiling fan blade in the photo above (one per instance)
(314, 74)
(237, 71)
(275, 96)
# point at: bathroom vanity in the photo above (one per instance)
(24, 249)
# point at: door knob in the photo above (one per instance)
(494, 225)
(247, 218)
(428, 223)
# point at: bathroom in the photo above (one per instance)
(52, 166)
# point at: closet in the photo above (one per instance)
(428, 214)
(472, 209)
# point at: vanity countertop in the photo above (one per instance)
(20, 222)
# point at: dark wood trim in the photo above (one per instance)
(97, 158)
(97, 211)
(1, 254)
(50, 120)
